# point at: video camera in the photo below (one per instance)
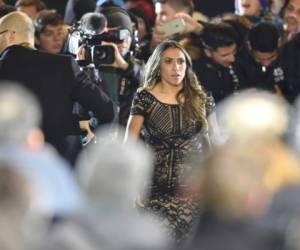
(91, 31)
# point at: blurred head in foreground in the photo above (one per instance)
(20, 115)
(114, 172)
(254, 115)
(240, 179)
(241, 175)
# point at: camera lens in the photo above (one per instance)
(100, 54)
(103, 54)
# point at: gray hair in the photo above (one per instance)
(20, 113)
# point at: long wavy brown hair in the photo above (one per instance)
(191, 97)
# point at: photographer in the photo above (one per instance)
(121, 78)
(107, 57)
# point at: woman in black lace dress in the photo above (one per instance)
(170, 111)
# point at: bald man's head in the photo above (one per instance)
(16, 28)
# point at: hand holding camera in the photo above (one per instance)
(119, 61)
(91, 41)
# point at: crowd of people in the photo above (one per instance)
(144, 124)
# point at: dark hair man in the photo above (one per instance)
(216, 69)
(263, 65)
(55, 79)
(49, 31)
(264, 40)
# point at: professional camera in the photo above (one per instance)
(91, 31)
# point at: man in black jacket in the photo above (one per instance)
(265, 65)
(216, 68)
(55, 79)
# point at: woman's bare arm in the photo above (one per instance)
(134, 126)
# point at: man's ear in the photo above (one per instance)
(208, 53)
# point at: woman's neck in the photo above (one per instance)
(168, 89)
(166, 94)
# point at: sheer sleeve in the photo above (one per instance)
(141, 103)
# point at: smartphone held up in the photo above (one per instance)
(172, 27)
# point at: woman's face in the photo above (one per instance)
(172, 67)
(248, 7)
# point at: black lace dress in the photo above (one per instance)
(172, 137)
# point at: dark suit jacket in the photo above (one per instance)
(216, 79)
(57, 82)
